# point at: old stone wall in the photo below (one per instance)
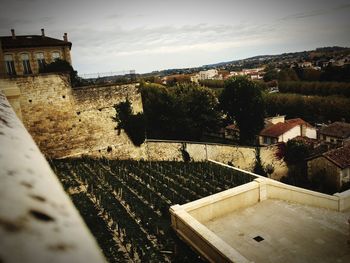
(238, 156)
(67, 122)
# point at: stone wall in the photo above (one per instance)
(68, 122)
(240, 157)
(65, 121)
(38, 221)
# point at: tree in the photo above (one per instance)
(242, 101)
(60, 65)
(258, 167)
(270, 75)
(288, 74)
(296, 152)
(133, 124)
(182, 112)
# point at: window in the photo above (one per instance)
(41, 60)
(26, 64)
(10, 65)
(55, 55)
(267, 140)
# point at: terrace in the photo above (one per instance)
(266, 221)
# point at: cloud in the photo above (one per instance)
(313, 13)
(166, 38)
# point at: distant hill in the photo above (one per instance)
(256, 61)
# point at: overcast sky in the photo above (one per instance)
(147, 35)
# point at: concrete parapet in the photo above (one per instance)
(38, 221)
(189, 220)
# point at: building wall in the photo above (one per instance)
(323, 167)
(311, 133)
(16, 53)
(292, 133)
(331, 139)
(276, 119)
(66, 122)
(28, 185)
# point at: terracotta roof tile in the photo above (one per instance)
(337, 129)
(280, 128)
(232, 127)
(340, 156)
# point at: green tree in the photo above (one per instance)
(288, 74)
(270, 75)
(242, 101)
(133, 124)
(296, 152)
(258, 167)
(182, 112)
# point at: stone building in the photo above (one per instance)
(337, 133)
(333, 166)
(27, 54)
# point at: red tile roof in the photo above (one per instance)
(232, 127)
(280, 128)
(8, 42)
(337, 129)
(340, 156)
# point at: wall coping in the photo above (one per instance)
(38, 221)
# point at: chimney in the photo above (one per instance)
(65, 38)
(43, 32)
(13, 34)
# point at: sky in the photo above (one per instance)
(148, 35)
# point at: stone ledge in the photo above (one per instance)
(38, 221)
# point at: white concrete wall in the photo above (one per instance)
(311, 133)
(277, 190)
(220, 204)
(292, 133)
(38, 221)
(188, 219)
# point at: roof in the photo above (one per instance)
(8, 42)
(280, 128)
(340, 156)
(232, 127)
(337, 129)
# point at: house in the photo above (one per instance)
(333, 166)
(208, 74)
(27, 54)
(305, 64)
(285, 131)
(337, 133)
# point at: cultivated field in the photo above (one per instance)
(125, 203)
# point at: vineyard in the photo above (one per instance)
(126, 203)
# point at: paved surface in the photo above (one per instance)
(291, 233)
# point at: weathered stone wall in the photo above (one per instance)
(241, 157)
(65, 121)
(38, 221)
(71, 122)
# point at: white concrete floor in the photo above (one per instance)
(291, 232)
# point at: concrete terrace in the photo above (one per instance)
(291, 232)
(292, 224)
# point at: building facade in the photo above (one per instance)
(337, 133)
(333, 167)
(28, 54)
(285, 131)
